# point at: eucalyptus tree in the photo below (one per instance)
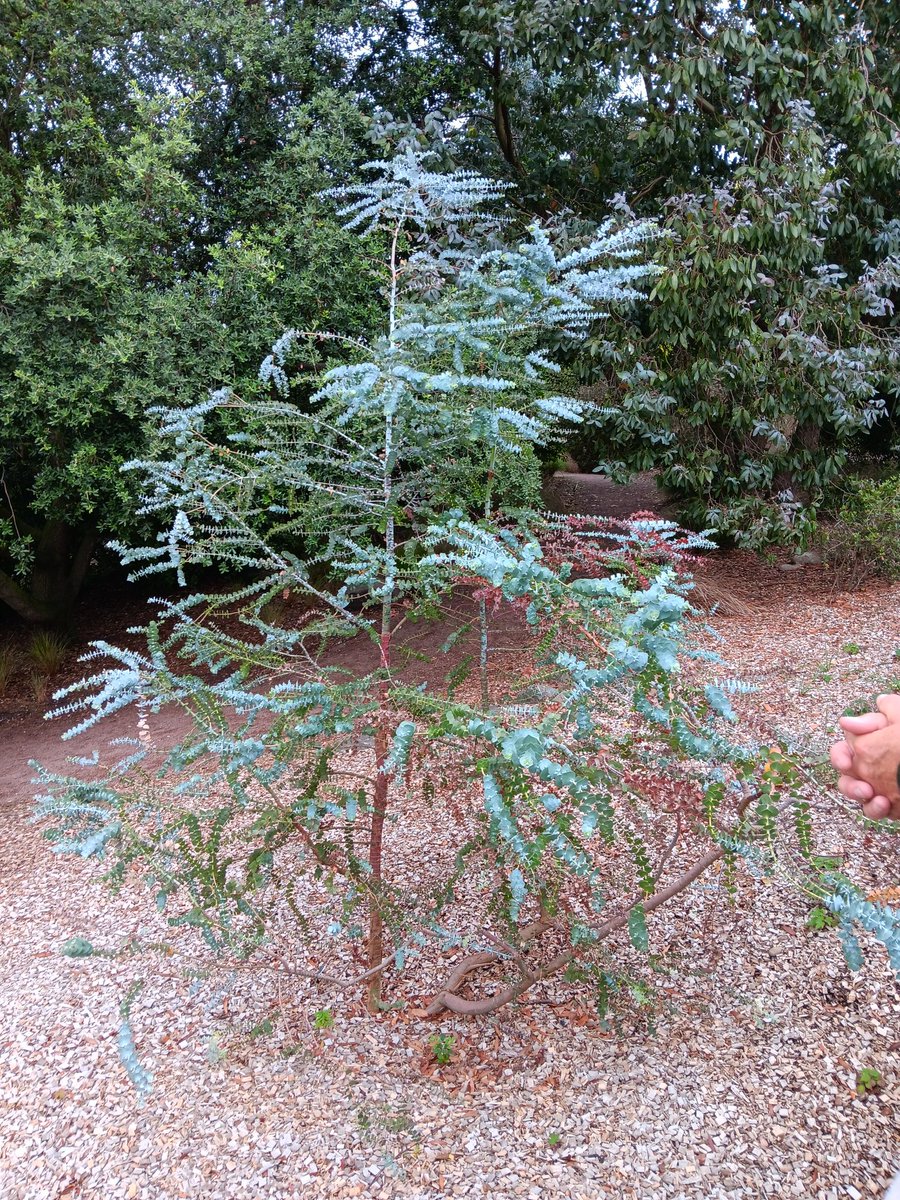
(556, 824)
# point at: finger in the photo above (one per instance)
(877, 808)
(867, 723)
(841, 756)
(889, 706)
(855, 789)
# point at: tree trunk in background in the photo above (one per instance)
(61, 559)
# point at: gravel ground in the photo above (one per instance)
(742, 1085)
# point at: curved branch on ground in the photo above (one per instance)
(447, 998)
(484, 958)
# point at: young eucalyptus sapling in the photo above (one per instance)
(572, 811)
(460, 365)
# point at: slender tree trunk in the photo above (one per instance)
(375, 946)
(483, 631)
(806, 437)
(483, 656)
(502, 123)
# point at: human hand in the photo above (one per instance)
(868, 760)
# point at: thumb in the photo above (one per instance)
(867, 723)
(889, 705)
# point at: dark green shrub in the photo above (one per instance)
(512, 480)
(864, 541)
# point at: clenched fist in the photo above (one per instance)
(869, 759)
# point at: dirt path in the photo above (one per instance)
(594, 495)
(107, 614)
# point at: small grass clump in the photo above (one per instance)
(48, 652)
(9, 664)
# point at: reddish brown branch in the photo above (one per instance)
(475, 1008)
(486, 958)
(375, 944)
(376, 840)
(447, 998)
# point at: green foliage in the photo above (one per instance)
(511, 482)
(763, 137)
(637, 929)
(868, 1079)
(151, 247)
(851, 909)
(820, 918)
(215, 1055)
(137, 1072)
(72, 321)
(765, 359)
(441, 1046)
(77, 947)
(865, 538)
(323, 1019)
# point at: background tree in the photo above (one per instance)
(767, 361)
(158, 170)
(180, 145)
(792, 109)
